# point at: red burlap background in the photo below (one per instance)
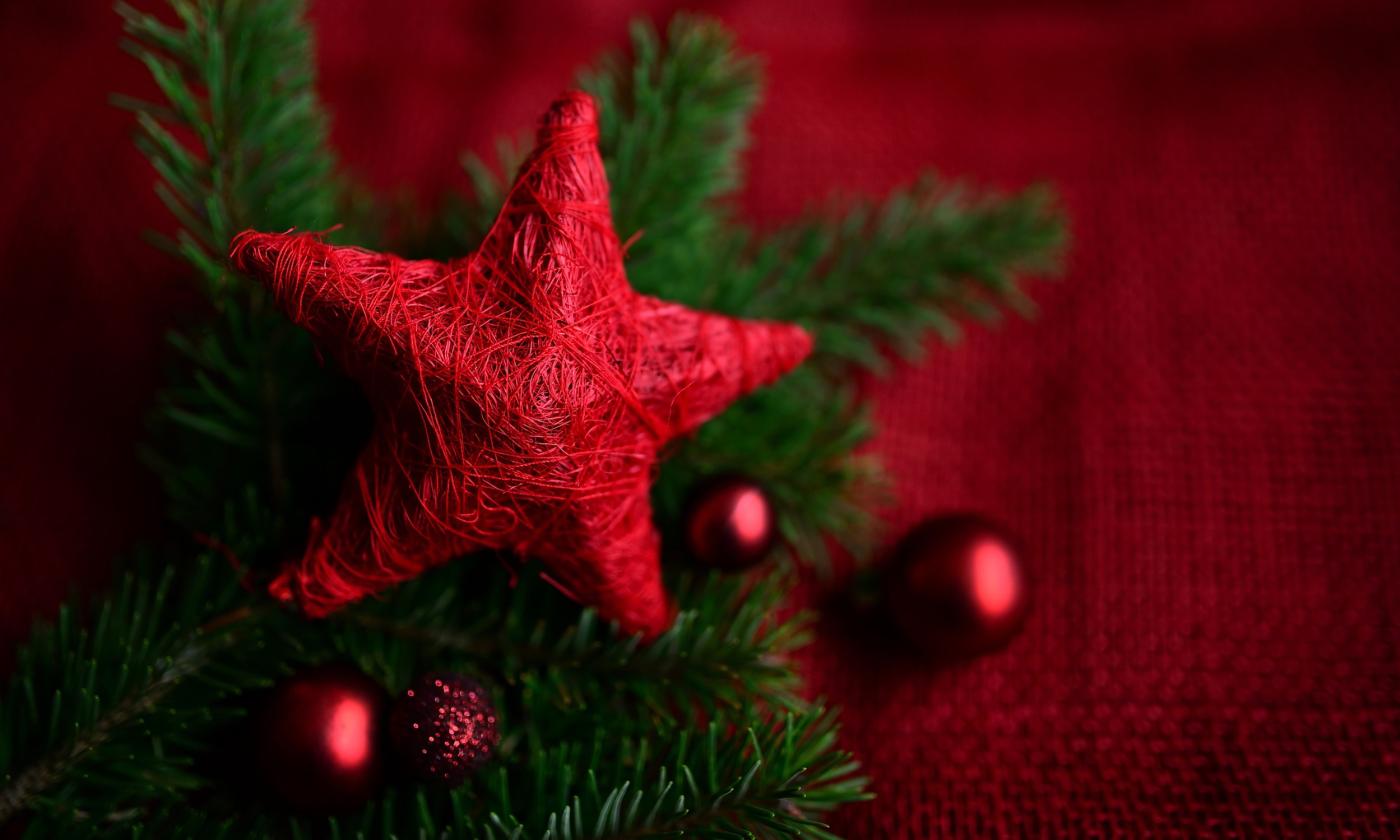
(1199, 439)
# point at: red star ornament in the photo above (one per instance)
(521, 394)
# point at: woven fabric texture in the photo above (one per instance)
(1198, 439)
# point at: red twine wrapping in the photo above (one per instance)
(521, 393)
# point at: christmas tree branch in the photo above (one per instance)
(882, 276)
(765, 780)
(237, 78)
(879, 278)
(20, 793)
(88, 719)
(726, 649)
(673, 121)
(771, 778)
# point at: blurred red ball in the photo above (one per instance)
(957, 586)
(444, 727)
(730, 523)
(319, 739)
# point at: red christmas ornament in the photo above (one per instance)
(444, 727)
(957, 587)
(319, 739)
(730, 523)
(521, 393)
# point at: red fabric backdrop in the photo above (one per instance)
(1198, 439)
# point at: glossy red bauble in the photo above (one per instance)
(729, 523)
(319, 739)
(957, 586)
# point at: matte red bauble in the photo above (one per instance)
(319, 739)
(957, 586)
(444, 727)
(729, 523)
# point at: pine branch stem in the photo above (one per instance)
(38, 777)
(479, 647)
(20, 794)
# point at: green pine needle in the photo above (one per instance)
(103, 701)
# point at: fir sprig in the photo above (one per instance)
(237, 78)
(774, 778)
(728, 647)
(107, 705)
(673, 120)
(768, 779)
(882, 276)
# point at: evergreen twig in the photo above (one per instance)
(90, 718)
(882, 276)
(238, 78)
(728, 648)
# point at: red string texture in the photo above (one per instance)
(521, 393)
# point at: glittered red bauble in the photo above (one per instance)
(729, 523)
(319, 739)
(957, 586)
(444, 727)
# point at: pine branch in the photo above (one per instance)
(95, 721)
(878, 278)
(770, 779)
(728, 649)
(766, 780)
(673, 121)
(881, 276)
(238, 78)
(574, 680)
